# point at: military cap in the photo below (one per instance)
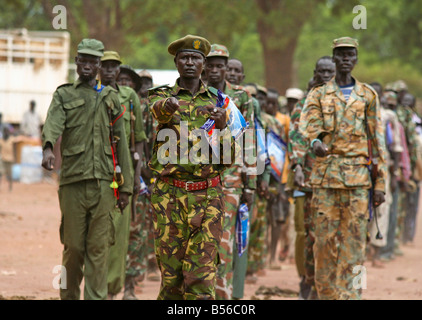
(144, 74)
(190, 43)
(282, 101)
(261, 88)
(92, 47)
(294, 93)
(391, 86)
(400, 85)
(131, 72)
(251, 89)
(218, 50)
(345, 42)
(111, 55)
(390, 97)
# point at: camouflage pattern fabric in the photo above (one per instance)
(257, 248)
(224, 285)
(299, 203)
(188, 229)
(326, 112)
(404, 114)
(309, 226)
(340, 241)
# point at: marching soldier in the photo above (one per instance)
(341, 120)
(90, 119)
(187, 197)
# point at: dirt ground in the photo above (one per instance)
(30, 250)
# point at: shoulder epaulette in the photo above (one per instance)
(213, 90)
(370, 88)
(65, 85)
(158, 87)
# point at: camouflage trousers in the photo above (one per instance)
(341, 220)
(141, 253)
(224, 286)
(188, 228)
(257, 248)
(309, 227)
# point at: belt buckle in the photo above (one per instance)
(187, 185)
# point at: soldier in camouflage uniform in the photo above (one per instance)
(141, 253)
(110, 68)
(334, 121)
(187, 197)
(302, 160)
(89, 187)
(239, 183)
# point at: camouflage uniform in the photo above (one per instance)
(233, 186)
(188, 224)
(341, 181)
(300, 153)
(141, 252)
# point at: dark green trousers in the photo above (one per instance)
(86, 232)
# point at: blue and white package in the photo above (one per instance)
(261, 144)
(276, 149)
(242, 229)
(144, 187)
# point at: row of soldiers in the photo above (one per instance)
(182, 216)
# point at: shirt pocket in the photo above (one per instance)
(73, 160)
(355, 174)
(109, 163)
(358, 115)
(328, 114)
(75, 113)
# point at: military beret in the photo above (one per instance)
(92, 47)
(144, 74)
(294, 93)
(345, 42)
(190, 43)
(218, 50)
(111, 55)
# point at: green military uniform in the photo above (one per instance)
(341, 180)
(301, 154)
(79, 113)
(188, 224)
(117, 258)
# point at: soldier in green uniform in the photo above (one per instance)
(301, 163)
(334, 121)
(187, 197)
(90, 186)
(134, 128)
(239, 182)
(141, 259)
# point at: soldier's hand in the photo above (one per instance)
(247, 197)
(48, 159)
(171, 105)
(320, 149)
(123, 201)
(219, 116)
(379, 198)
(299, 179)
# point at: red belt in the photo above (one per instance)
(193, 186)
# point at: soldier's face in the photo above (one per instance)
(146, 83)
(408, 100)
(234, 73)
(87, 66)
(272, 103)
(109, 71)
(262, 99)
(345, 59)
(189, 64)
(215, 70)
(125, 80)
(324, 71)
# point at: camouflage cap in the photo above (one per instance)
(261, 88)
(251, 89)
(218, 50)
(390, 97)
(345, 42)
(390, 87)
(111, 55)
(400, 85)
(92, 47)
(190, 43)
(282, 101)
(144, 74)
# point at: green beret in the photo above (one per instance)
(218, 50)
(92, 47)
(111, 55)
(345, 42)
(190, 43)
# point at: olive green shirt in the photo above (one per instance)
(78, 113)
